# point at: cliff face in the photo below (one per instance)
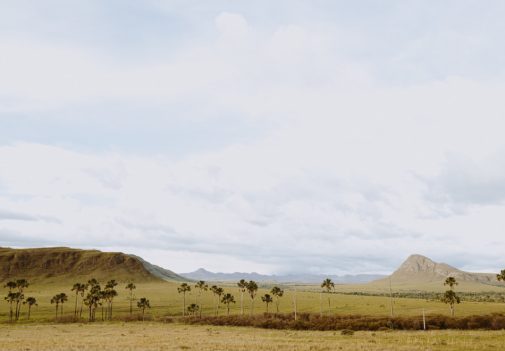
(65, 263)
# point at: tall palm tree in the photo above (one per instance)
(328, 285)
(252, 289)
(56, 300)
(30, 301)
(21, 284)
(82, 291)
(63, 298)
(131, 287)
(183, 289)
(242, 288)
(201, 286)
(11, 285)
(267, 299)
(110, 293)
(77, 287)
(450, 296)
(227, 299)
(143, 303)
(217, 291)
(278, 293)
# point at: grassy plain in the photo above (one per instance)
(157, 336)
(165, 301)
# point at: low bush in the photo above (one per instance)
(355, 322)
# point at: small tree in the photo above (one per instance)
(183, 289)
(328, 286)
(131, 298)
(267, 299)
(143, 303)
(30, 301)
(278, 293)
(450, 296)
(227, 299)
(201, 286)
(242, 288)
(252, 289)
(193, 309)
(501, 276)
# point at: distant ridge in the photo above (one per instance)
(203, 274)
(421, 269)
(62, 263)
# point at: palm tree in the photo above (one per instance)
(131, 287)
(328, 285)
(193, 309)
(278, 293)
(82, 291)
(267, 299)
(93, 297)
(63, 298)
(30, 301)
(450, 296)
(217, 291)
(201, 286)
(77, 288)
(451, 299)
(21, 284)
(143, 303)
(501, 276)
(11, 285)
(56, 300)
(227, 299)
(183, 289)
(451, 282)
(110, 293)
(252, 289)
(242, 287)
(11, 298)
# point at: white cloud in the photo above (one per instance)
(350, 166)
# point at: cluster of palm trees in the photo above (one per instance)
(220, 297)
(16, 298)
(93, 296)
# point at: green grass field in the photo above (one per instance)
(165, 301)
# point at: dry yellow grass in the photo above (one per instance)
(155, 336)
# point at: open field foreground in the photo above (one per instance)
(155, 336)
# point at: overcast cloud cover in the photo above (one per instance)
(269, 136)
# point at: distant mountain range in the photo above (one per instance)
(202, 274)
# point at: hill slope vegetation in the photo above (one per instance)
(61, 263)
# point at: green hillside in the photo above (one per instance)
(59, 264)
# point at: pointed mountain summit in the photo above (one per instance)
(421, 269)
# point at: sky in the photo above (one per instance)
(279, 137)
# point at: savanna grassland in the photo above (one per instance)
(166, 301)
(158, 336)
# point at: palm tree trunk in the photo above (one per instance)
(252, 307)
(228, 309)
(56, 311)
(183, 304)
(321, 304)
(29, 310)
(75, 309)
(242, 303)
